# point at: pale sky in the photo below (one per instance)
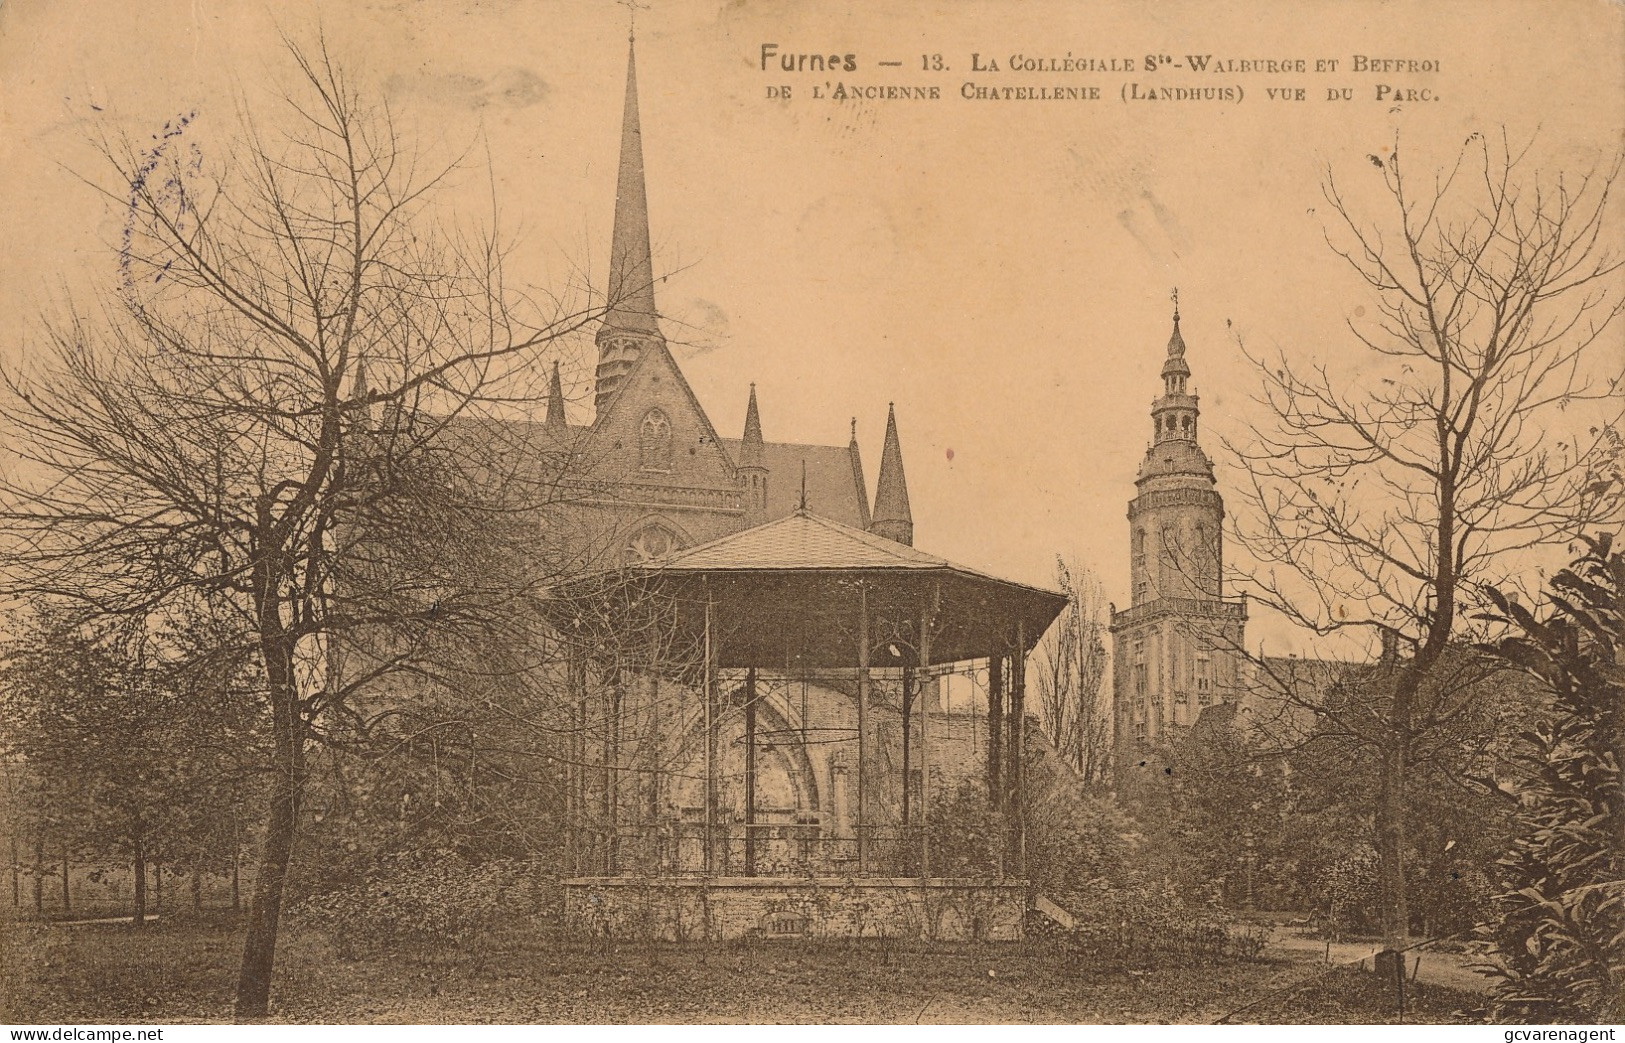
(1001, 270)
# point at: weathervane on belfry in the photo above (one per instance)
(1176, 304)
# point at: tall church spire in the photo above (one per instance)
(630, 321)
(892, 517)
(631, 267)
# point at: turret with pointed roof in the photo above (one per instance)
(855, 456)
(891, 517)
(630, 323)
(752, 465)
(750, 446)
(555, 401)
(361, 391)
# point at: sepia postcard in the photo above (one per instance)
(705, 512)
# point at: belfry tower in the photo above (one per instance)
(630, 324)
(1176, 648)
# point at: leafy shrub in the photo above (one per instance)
(1349, 893)
(1080, 837)
(1453, 900)
(1560, 926)
(1142, 926)
(966, 833)
(1075, 833)
(1072, 834)
(420, 898)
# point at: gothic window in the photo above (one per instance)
(650, 542)
(654, 442)
(1139, 561)
(1203, 554)
(1187, 425)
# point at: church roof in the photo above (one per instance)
(834, 483)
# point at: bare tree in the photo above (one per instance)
(1385, 487)
(295, 406)
(1071, 675)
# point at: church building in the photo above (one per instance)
(667, 479)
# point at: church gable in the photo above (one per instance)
(654, 432)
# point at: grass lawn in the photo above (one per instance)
(178, 971)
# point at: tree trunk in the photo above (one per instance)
(39, 874)
(1390, 829)
(139, 863)
(157, 885)
(16, 871)
(236, 882)
(67, 902)
(265, 912)
(1392, 785)
(276, 854)
(287, 783)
